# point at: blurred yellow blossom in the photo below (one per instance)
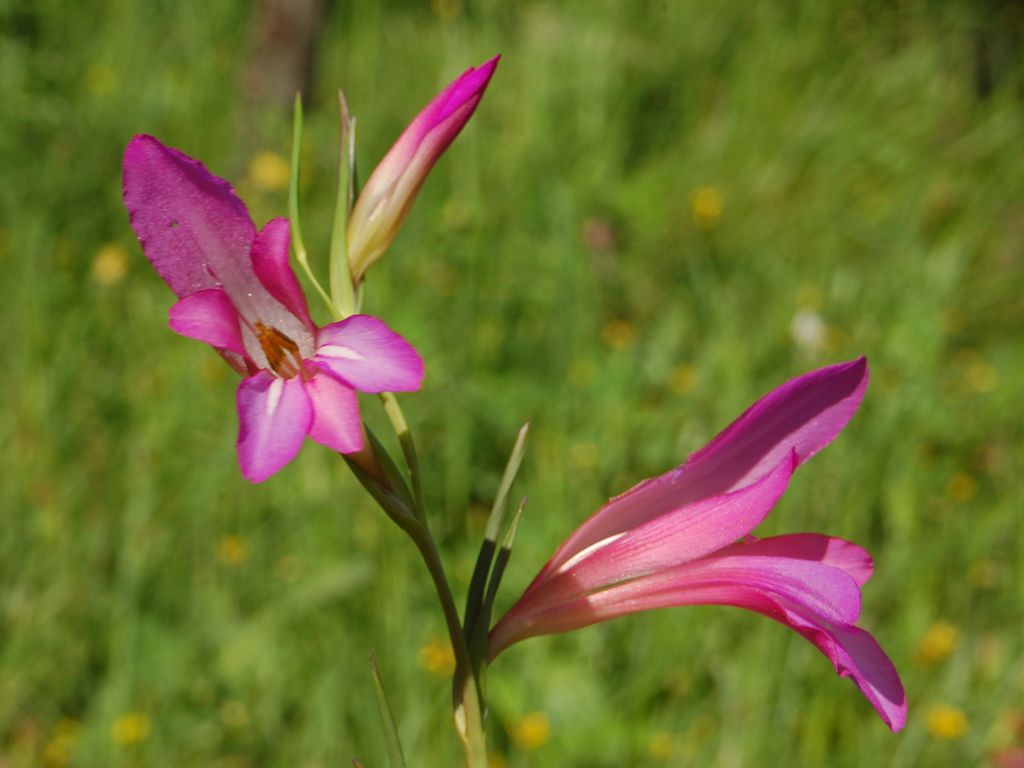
(982, 377)
(130, 728)
(618, 334)
(268, 171)
(983, 574)
(495, 760)
(234, 714)
(110, 264)
(706, 206)
(232, 550)
(57, 751)
(585, 454)
(100, 79)
(962, 487)
(938, 642)
(946, 722)
(532, 731)
(446, 9)
(437, 658)
(683, 379)
(660, 747)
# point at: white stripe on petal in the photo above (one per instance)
(274, 392)
(337, 350)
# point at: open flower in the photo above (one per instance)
(238, 294)
(392, 187)
(683, 539)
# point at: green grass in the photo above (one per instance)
(863, 177)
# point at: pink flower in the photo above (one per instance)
(238, 294)
(392, 187)
(683, 539)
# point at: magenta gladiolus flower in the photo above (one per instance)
(684, 539)
(392, 187)
(238, 294)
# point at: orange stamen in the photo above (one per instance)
(282, 353)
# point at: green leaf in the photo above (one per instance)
(394, 746)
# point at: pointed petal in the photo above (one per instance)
(675, 538)
(274, 417)
(829, 550)
(270, 261)
(802, 415)
(368, 355)
(817, 600)
(191, 225)
(336, 421)
(720, 578)
(208, 316)
(392, 187)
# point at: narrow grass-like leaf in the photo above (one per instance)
(342, 292)
(394, 746)
(298, 245)
(478, 584)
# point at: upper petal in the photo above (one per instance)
(336, 421)
(209, 316)
(803, 415)
(274, 417)
(368, 355)
(270, 261)
(192, 227)
(674, 538)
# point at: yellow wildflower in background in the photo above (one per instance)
(269, 172)
(618, 334)
(683, 379)
(946, 722)
(532, 731)
(110, 264)
(130, 728)
(962, 487)
(57, 751)
(706, 207)
(938, 642)
(494, 760)
(660, 747)
(100, 79)
(233, 550)
(437, 658)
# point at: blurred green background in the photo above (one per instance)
(660, 211)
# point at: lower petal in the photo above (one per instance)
(274, 417)
(368, 355)
(336, 421)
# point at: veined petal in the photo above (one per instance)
(718, 578)
(274, 417)
(829, 550)
(270, 261)
(673, 539)
(817, 600)
(336, 421)
(208, 316)
(803, 415)
(392, 187)
(192, 227)
(364, 352)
